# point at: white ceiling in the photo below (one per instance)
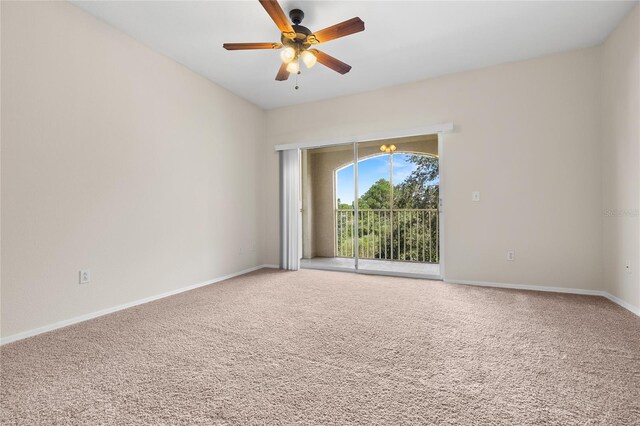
(403, 41)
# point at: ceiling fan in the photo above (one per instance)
(296, 41)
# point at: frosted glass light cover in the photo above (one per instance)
(308, 58)
(287, 54)
(293, 67)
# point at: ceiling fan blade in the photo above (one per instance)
(351, 26)
(331, 62)
(283, 74)
(277, 14)
(251, 46)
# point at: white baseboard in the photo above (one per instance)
(81, 318)
(602, 293)
(528, 287)
(626, 305)
(85, 317)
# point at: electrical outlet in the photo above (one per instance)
(627, 267)
(85, 276)
(475, 196)
(511, 255)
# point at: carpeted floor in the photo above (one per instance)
(315, 347)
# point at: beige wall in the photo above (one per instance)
(527, 137)
(318, 184)
(115, 159)
(621, 158)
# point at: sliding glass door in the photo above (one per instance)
(397, 208)
(373, 207)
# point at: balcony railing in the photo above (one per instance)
(397, 234)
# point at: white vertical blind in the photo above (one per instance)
(290, 209)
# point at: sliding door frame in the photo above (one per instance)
(438, 129)
(356, 223)
(441, 198)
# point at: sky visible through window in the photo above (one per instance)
(371, 170)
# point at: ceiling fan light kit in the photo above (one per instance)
(296, 41)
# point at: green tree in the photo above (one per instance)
(376, 197)
(419, 190)
(344, 206)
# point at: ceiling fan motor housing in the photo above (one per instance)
(302, 32)
(300, 41)
(296, 16)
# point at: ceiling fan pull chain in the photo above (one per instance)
(298, 73)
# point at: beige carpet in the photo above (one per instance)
(314, 347)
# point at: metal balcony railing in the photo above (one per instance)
(389, 234)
